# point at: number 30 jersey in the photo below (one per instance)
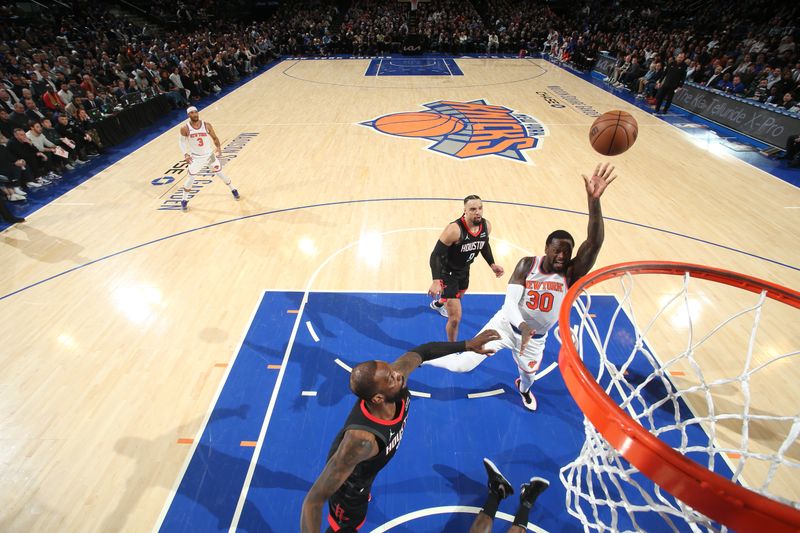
(542, 298)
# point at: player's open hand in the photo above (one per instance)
(498, 270)
(477, 344)
(601, 178)
(435, 289)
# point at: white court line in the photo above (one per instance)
(546, 371)
(380, 64)
(202, 428)
(447, 509)
(447, 67)
(485, 394)
(276, 389)
(311, 331)
(262, 434)
(308, 393)
(342, 364)
(420, 394)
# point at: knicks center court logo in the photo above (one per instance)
(466, 129)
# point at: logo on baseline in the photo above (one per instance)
(466, 129)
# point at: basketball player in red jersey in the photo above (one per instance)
(370, 435)
(458, 245)
(535, 292)
(195, 141)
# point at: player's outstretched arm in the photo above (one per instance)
(356, 446)
(438, 261)
(589, 250)
(410, 361)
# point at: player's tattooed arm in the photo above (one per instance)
(407, 363)
(356, 446)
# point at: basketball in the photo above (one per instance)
(613, 132)
(418, 124)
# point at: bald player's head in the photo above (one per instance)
(363, 381)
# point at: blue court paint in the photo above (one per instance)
(207, 496)
(440, 459)
(423, 66)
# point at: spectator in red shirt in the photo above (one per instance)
(52, 101)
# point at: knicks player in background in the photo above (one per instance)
(370, 435)
(458, 246)
(535, 292)
(195, 141)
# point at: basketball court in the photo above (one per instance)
(188, 371)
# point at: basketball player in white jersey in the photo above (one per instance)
(195, 142)
(535, 292)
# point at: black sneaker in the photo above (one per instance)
(531, 490)
(498, 483)
(528, 399)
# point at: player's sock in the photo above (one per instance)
(185, 195)
(527, 497)
(491, 505)
(226, 179)
(521, 518)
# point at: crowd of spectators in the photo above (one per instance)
(748, 52)
(66, 72)
(73, 67)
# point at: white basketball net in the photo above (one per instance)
(604, 491)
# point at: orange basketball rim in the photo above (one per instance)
(708, 492)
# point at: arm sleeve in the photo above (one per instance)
(434, 350)
(438, 260)
(183, 142)
(511, 304)
(486, 252)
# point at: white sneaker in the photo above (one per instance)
(441, 310)
(35, 184)
(19, 191)
(69, 167)
(80, 161)
(16, 198)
